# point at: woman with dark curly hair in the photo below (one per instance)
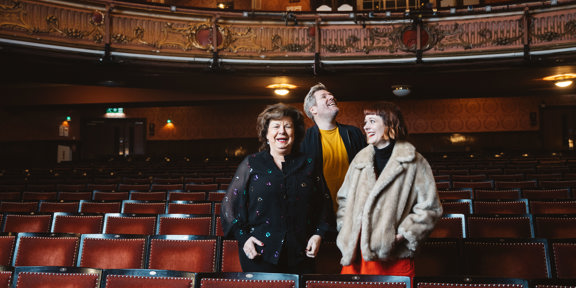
(277, 205)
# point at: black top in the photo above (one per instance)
(381, 157)
(281, 208)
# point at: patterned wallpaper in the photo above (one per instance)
(422, 116)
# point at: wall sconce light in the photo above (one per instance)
(561, 80)
(225, 5)
(281, 89)
(68, 118)
(169, 124)
(401, 90)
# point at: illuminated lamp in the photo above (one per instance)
(281, 89)
(401, 90)
(561, 80)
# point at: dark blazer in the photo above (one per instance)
(354, 141)
(281, 207)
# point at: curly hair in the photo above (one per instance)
(277, 112)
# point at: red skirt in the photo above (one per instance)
(399, 267)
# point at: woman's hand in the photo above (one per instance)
(250, 248)
(313, 246)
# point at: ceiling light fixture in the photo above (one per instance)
(561, 80)
(281, 89)
(563, 83)
(401, 90)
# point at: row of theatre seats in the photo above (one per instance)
(114, 185)
(202, 206)
(209, 195)
(527, 258)
(57, 277)
(138, 236)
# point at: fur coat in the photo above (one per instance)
(403, 200)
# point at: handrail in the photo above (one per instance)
(154, 32)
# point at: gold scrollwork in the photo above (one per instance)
(381, 39)
(197, 36)
(13, 16)
(569, 29)
(451, 38)
(245, 42)
(456, 38)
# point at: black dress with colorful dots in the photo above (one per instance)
(282, 208)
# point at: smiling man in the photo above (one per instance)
(331, 143)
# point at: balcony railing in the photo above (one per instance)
(163, 33)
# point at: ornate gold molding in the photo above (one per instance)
(197, 34)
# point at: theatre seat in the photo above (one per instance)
(469, 282)
(6, 276)
(508, 258)
(111, 251)
(81, 223)
(450, 226)
(246, 280)
(495, 194)
(553, 207)
(518, 206)
(185, 224)
(458, 206)
(40, 223)
(133, 278)
(500, 226)
(148, 196)
(200, 187)
(455, 194)
(230, 261)
(553, 226)
(184, 253)
(7, 243)
(355, 281)
(37, 195)
(143, 207)
(187, 196)
(87, 206)
(52, 206)
(546, 194)
(74, 196)
(120, 223)
(56, 277)
(18, 207)
(563, 254)
(189, 207)
(46, 249)
(439, 257)
(110, 196)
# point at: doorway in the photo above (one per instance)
(113, 138)
(558, 128)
